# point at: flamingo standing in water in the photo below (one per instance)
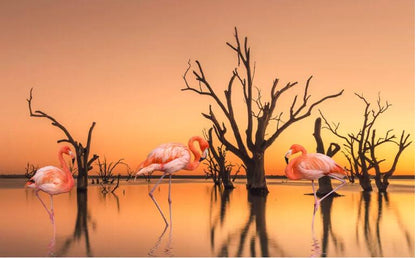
(313, 166)
(172, 157)
(53, 180)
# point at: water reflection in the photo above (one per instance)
(256, 241)
(168, 250)
(81, 229)
(327, 230)
(104, 195)
(209, 221)
(370, 220)
(51, 246)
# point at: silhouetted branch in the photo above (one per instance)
(218, 167)
(30, 170)
(106, 169)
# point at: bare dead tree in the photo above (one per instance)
(258, 112)
(108, 188)
(84, 163)
(212, 169)
(30, 170)
(129, 172)
(360, 146)
(238, 171)
(324, 182)
(106, 170)
(217, 166)
(382, 177)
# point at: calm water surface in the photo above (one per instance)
(207, 221)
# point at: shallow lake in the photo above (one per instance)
(207, 221)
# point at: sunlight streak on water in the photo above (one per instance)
(207, 221)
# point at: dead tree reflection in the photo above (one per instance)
(372, 240)
(410, 242)
(106, 191)
(327, 230)
(219, 219)
(81, 229)
(252, 237)
(371, 223)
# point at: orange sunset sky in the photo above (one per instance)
(120, 64)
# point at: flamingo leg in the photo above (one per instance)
(343, 182)
(50, 214)
(168, 246)
(52, 211)
(316, 205)
(170, 180)
(154, 200)
(170, 199)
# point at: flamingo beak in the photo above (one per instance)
(287, 155)
(204, 155)
(72, 156)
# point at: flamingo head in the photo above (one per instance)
(295, 148)
(204, 149)
(68, 151)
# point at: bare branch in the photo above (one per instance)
(92, 160)
(54, 122)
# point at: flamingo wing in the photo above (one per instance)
(49, 179)
(317, 165)
(168, 157)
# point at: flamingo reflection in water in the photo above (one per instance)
(53, 181)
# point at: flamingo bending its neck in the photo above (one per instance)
(172, 157)
(53, 180)
(313, 166)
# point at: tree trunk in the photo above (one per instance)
(256, 179)
(225, 178)
(325, 185)
(365, 183)
(382, 183)
(82, 179)
(82, 182)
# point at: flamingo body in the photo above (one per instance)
(313, 166)
(170, 158)
(51, 180)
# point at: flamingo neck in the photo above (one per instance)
(290, 172)
(302, 150)
(65, 168)
(193, 165)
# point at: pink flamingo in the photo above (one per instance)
(172, 157)
(313, 166)
(53, 180)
